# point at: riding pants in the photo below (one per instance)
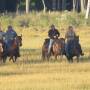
(50, 45)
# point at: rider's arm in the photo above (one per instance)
(50, 34)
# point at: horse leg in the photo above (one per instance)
(43, 55)
(0, 60)
(4, 59)
(48, 56)
(55, 57)
(77, 59)
(11, 58)
(14, 58)
(71, 60)
(61, 57)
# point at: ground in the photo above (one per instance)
(30, 72)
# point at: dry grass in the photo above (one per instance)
(31, 73)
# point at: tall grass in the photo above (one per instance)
(30, 72)
(43, 20)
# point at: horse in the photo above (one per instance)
(1, 50)
(74, 50)
(13, 51)
(45, 49)
(56, 49)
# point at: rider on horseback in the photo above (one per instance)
(2, 37)
(2, 34)
(53, 34)
(9, 37)
(70, 36)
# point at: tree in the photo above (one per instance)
(88, 9)
(74, 4)
(54, 4)
(27, 6)
(82, 5)
(44, 7)
(63, 4)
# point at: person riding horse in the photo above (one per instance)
(2, 36)
(53, 34)
(10, 37)
(70, 36)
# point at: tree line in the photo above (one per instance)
(77, 5)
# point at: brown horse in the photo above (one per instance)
(57, 48)
(13, 52)
(45, 49)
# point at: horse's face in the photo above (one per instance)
(19, 40)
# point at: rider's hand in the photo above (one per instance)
(57, 35)
(54, 36)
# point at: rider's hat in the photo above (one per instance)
(52, 25)
(9, 26)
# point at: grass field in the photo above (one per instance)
(30, 72)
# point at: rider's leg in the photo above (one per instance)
(50, 45)
(66, 48)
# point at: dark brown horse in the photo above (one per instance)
(13, 52)
(56, 49)
(74, 49)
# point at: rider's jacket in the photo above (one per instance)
(53, 33)
(2, 34)
(10, 34)
(70, 35)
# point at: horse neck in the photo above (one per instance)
(14, 45)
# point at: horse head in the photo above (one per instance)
(19, 40)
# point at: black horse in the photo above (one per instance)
(74, 49)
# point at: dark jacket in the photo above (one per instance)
(10, 34)
(53, 33)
